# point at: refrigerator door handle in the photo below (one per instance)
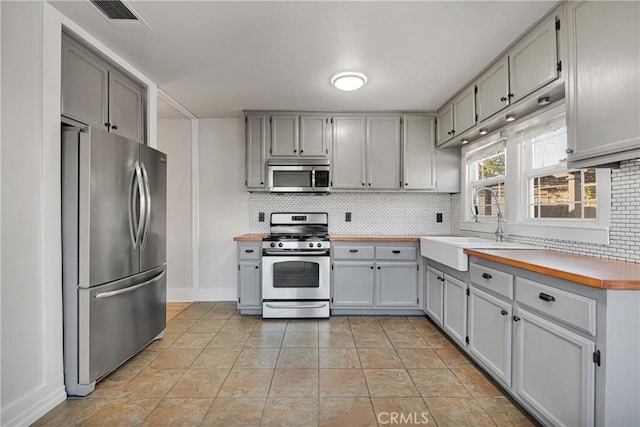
(147, 215)
(129, 289)
(135, 226)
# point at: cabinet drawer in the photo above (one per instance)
(396, 253)
(353, 252)
(249, 252)
(494, 280)
(574, 309)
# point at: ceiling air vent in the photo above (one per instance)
(120, 14)
(114, 9)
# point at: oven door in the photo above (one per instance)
(295, 277)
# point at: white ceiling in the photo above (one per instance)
(218, 58)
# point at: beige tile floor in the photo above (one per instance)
(216, 368)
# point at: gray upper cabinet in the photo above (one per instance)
(95, 93)
(348, 165)
(125, 106)
(533, 61)
(464, 110)
(284, 136)
(85, 84)
(603, 82)
(457, 116)
(493, 89)
(418, 153)
(383, 153)
(444, 124)
(256, 134)
(314, 136)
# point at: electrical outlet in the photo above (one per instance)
(347, 217)
(438, 217)
(260, 216)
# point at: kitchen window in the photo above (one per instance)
(487, 167)
(543, 198)
(552, 190)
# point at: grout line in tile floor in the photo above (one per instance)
(442, 409)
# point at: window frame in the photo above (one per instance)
(517, 221)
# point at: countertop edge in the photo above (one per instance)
(619, 284)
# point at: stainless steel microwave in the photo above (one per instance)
(298, 175)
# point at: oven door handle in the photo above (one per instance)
(288, 307)
(296, 253)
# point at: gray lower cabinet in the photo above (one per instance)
(375, 277)
(454, 318)
(434, 293)
(554, 370)
(352, 284)
(397, 285)
(96, 93)
(490, 333)
(249, 277)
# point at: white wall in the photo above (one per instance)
(224, 205)
(174, 139)
(31, 324)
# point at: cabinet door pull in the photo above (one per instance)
(257, 267)
(378, 267)
(503, 98)
(363, 184)
(301, 151)
(546, 297)
(516, 319)
(504, 312)
(396, 251)
(569, 151)
(295, 151)
(107, 124)
(114, 127)
(353, 251)
(486, 275)
(441, 278)
(249, 251)
(372, 267)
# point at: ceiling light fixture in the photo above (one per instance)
(483, 131)
(349, 80)
(510, 117)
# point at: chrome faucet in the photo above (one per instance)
(499, 232)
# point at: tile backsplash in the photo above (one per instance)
(624, 231)
(372, 213)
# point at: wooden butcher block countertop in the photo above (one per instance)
(586, 270)
(369, 238)
(250, 237)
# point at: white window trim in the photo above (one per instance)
(516, 221)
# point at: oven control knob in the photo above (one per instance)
(279, 245)
(273, 245)
(310, 245)
(319, 245)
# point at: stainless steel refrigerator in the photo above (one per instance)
(114, 252)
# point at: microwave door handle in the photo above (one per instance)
(313, 178)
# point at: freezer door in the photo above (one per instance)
(117, 320)
(154, 170)
(109, 208)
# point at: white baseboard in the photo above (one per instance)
(206, 294)
(26, 410)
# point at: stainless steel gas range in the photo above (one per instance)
(296, 266)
